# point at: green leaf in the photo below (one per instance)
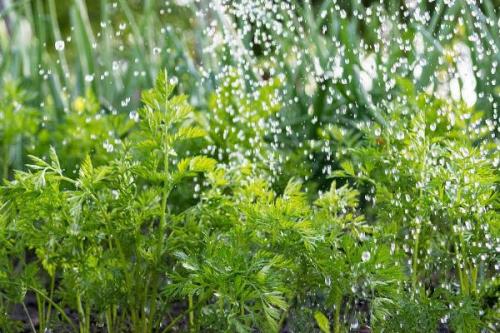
(54, 159)
(348, 167)
(86, 169)
(322, 321)
(186, 133)
(276, 300)
(162, 86)
(183, 165)
(202, 164)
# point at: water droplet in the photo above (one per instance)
(173, 80)
(328, 280)
(108, 146)
(59, 45)
(134, 115)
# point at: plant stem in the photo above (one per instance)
(336, 314)
(191, 313)
(87, 317)
(154, 295)
(57, 307)
(287, 311)
(81, 313)
(473, 286)
(414, 269)
(465, 276)
(5, 162)
(461, 278)
(180, 316)
(29, 317)
(41, 310)
(155, 278)
(49, 309)
(166, 184)
(109, 320)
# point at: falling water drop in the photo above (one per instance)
(59, 45)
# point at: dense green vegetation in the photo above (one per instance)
(249, 166)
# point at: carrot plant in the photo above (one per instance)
(111, 246)
(251, 256)
(434, 191)
(103, 235)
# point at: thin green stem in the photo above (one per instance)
(155, 278)
(87, 317)
(81, 312)
(191, 314)
(57, 307)
(285, 314)
(5, 161)
(465, 277)
(336, 314)
(41, 311)
(461, 277)
(49, 309)
(152, 301)
(173, 322)
(180, 316)
(414, 268)
(29, 317)
(109, 320)
(166, 183)
(473, 283)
